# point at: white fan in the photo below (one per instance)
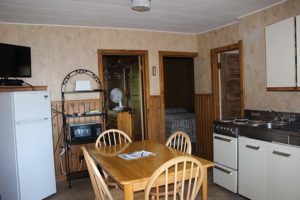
(116, 96)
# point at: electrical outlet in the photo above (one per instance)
(81, 158)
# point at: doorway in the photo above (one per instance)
(227, 81)
(178, 93)
(123, 80)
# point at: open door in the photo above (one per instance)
(123, 79)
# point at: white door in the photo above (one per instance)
(31, 106)
(253, 165)
(35, 160)
(280, 54)
(284, 172)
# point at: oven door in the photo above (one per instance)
(225, 150)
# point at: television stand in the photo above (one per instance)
(11, 82)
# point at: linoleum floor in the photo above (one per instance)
(82, 190)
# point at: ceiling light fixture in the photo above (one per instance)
(140, 5)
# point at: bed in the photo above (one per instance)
(180, 119)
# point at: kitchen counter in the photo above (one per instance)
(286, 134)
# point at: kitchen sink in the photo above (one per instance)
(269, 125)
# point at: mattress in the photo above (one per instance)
(179, 119)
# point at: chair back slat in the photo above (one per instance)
(184, 170)
(112, 137)
(180, 141)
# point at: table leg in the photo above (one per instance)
(204, 185)
(128, 192)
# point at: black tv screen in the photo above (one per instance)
(15, 61)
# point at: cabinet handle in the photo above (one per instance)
(223, 170)
(281, 153)
(253, 147)
(223, 139)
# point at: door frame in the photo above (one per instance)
(215, 78)
(163, 54)
(145, 65)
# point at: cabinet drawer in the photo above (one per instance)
(225, 177)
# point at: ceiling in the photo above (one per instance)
(186, 16)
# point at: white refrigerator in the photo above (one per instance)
(26, 146)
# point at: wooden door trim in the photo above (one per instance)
(163, 54)
(215, 80)
(146, 85)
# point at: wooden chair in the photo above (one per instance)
(100, 188)
(111, 137)
(180, 141)
(185, 170)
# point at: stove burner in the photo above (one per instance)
(241, 121)
(227, 120)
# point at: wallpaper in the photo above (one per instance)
(58, 50)
(251, 30)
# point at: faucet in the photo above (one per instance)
(276, 115)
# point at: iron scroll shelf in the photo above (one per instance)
(78, 72)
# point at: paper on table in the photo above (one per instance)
(136, 155)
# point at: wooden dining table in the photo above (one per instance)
(132, 175)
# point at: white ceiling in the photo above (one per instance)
(187, 16)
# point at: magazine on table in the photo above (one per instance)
(136, 155)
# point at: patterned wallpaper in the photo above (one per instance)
(250, 29)
(57, 50)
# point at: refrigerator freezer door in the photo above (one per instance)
(31, 106)
(35, 160)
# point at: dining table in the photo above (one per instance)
(132, 175)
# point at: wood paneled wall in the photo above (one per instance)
(154, 120)
(204, 118)
(74, 106)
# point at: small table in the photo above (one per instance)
(132, 175)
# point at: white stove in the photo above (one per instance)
(225, 145)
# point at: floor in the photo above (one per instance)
(82, 189)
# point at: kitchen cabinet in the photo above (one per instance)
(283, 172)
(253, 166)
(280, 55)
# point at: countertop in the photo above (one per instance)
(287, 134)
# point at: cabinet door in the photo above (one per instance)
(253, 165)
(280, 54)
(284, 172)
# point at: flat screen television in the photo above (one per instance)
(15, 61)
